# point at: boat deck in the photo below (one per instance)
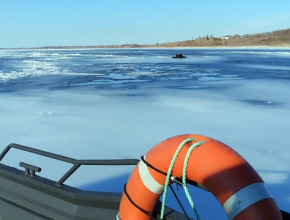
(26, 196)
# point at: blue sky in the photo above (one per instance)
(33, 23)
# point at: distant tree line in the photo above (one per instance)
(266, 34)
(238, 36)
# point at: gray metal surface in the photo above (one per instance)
(76, 163)
(26, 196)
(39, 195)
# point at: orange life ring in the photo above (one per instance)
(226, 174)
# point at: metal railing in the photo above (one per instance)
(76, 163)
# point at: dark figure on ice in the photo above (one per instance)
(179, 55)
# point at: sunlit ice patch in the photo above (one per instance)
(268, 67)
(264, 53)
(32, 68)
(274, 177)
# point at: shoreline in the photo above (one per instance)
(267, 40)
(162, 48)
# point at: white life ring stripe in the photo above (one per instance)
(245, 197)
(148, 180)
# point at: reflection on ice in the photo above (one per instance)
(268, 67)
(209, 78)
(263, 53)
(274, 177)
(263, 102)
(119, 76)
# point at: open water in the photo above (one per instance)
(135, 68)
